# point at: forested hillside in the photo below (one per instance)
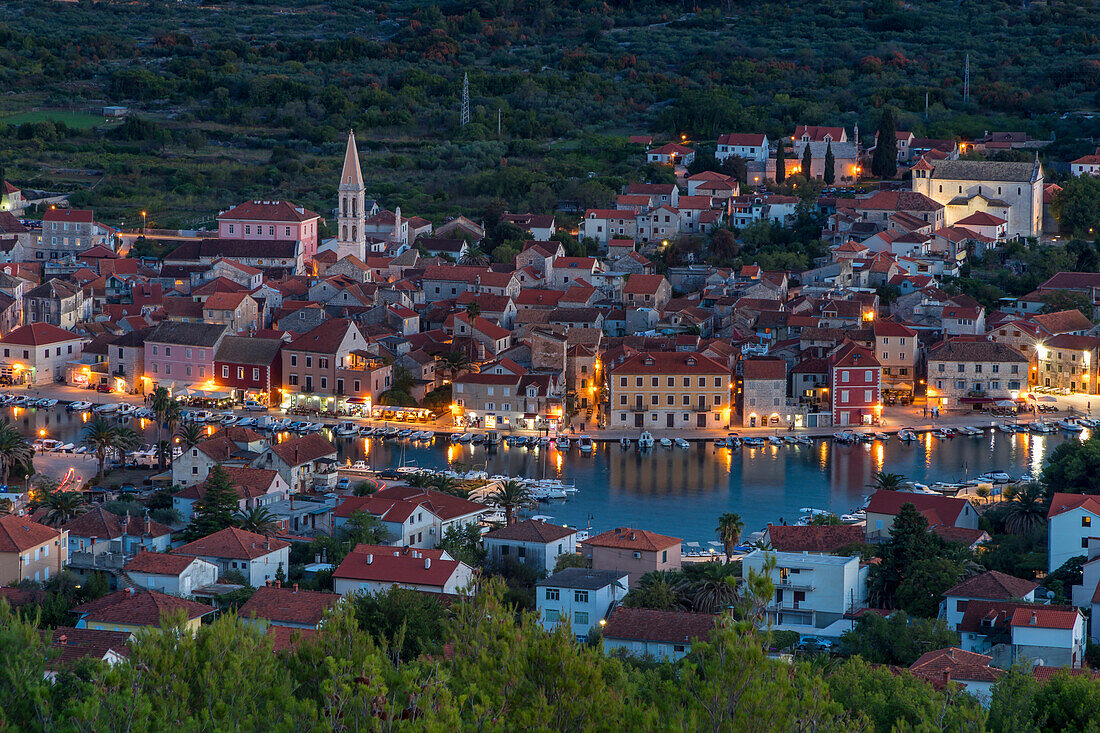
(251, 99)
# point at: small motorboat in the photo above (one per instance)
(733, 440)
(247, 422)
(202, 416)
(645, 440)
(844, 436)
(466, 438)
(586, 444)
(492, 437)
(996, 477)
(406, 432)
(624, 442)
(681, 443)
(227, 419)
(106, 409)
(754, 442)
(1069, 426)
(907, 434)
(345, 428)
(803, 440)
(47, 402)
(79, 406)
(666, 442)
(20, 401)
(1040, 427)
(456, 437)
(562, 442)
(1005, 428)
(479, 439)
(882, 436)
(67, 448)
(790, 440)
(775, 440)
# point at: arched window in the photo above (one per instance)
(354, 234)
(344, 232)
(354, 210)
(343, 206)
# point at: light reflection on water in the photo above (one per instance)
(676, 491)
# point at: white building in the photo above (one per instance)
(749, 146)
(1010, 191)
(1071, 520)
(1088, 165)
(253, 555)
(812, 592)
(961, 370)
(413, 517)
(377, 568)
(177, 575)
(990, 586)
(580, 598)
(534, 543)
(37, 353)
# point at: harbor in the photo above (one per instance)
(677, 489)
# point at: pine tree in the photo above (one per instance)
(807, 162)
(781, 161)
(215, 510)
(884, 163)
(829, 174)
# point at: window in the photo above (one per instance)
(255, 374)
(322, 362)
(867, 376)
(553, 594)
(294, 360)
(637, 555)
(580, 596)
(844, 376)
(225, 371)
(167, 368)
(664, 556)
(240, 372)
(324, 382)
(189, 370)
(622, 381)
(552, 615)
(309, 362)
(581, 617)
(187, 353)
(293, 380)
(167, 351)
(1086, 521)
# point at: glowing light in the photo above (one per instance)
(42, 432)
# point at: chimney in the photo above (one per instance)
(1034, 618)
(427, 563)
(370, 558)
(633, 536)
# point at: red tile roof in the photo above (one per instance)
(81, 216)
(37, 334)
(955, 664)
(285, 638)
(640, 284)
(671, 149)
(981, 219)
(670, 362)
(385, 564)
(742, 139)
(288, 605)
(442, 505)
(103, 524)
(1045, 617)
(946, 510)
(819, 539)
(324, 339)
(71, 644)
(18, 534)
(1061, 503)
(983, 616)
(531, 531)
(762, 368)
(158, 563)
(299, 451)
(626, 538)
(248, 483)
(232, 543)
(646, 624)
(139, 608)
(993, 586)
(269, 211)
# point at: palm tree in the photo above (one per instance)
(259, 520)
(711, 589)
(729, 531)
(191, 434)
(420, 480)
(162, 404)
(887, 481)
(511, 496)
(473, 309)
(448, 485)
(164, 452)
(63, 506)
(101, 436)
(14, 450)
(1026, 511)
(455, 362)
(474, 256)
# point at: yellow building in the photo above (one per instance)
(664, 390)
(30, 551)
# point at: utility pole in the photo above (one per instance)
(926, 104)
(966, 80)
(466, 99)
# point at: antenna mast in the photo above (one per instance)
(966, 80)
(466, 99)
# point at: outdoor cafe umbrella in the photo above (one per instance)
(1046, 398)
(1004, 403)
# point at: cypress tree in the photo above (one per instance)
(215, 510)
(781, 161)
(829, 174)
(807, 162)
(884, 163)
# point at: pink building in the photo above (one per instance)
(178, 354)
(855, 383)
(271, 220)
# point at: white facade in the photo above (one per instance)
(1011, 191)
(660, 650)
(460, 581)
(812, 592)
(198, 574)
(539, 555)
(1054, 647)
(1068, 533)
(258, 570)
(580, 599)
(744, 150)
(42, 364)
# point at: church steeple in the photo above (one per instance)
(350, 214)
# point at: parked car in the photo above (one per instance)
(102, 388)
(343, 484)
(253, 405)
(814, 644)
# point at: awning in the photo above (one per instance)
(1005, 403)
(210, 394)
(356, 401)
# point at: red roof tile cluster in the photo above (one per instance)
(288, 605)
(993, 586)
(268, 211)
(38, 334)
(139, 608)
(937, 509)
(625, 538)
(299, 451)
(401, 566)
(1045, 617)
(1061, 503)
(71, 644)
(646, 624)
(670, 362)
(324, 339)
(232, 543)
(80, 216)
(18, 534)
(103, 524)
(531, 531)
(942, 665)
(763, 368)
(248, 483)
(159, 563)
(819, 539)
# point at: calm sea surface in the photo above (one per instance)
(676, 491)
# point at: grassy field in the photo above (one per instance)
(76, 120)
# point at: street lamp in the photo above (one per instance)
(143, 223)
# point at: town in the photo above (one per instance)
(432, 367)
(397, 330)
